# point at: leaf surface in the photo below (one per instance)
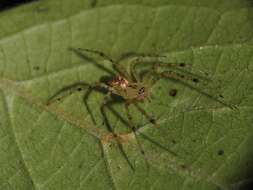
(59, 147)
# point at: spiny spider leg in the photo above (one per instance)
(157, 144)
(178, 76)
(175, 67)
(85, 99)
(174, 77)
(101, 54)
(129, 123)
(148, 117)
(121, 70)
(129, 55)
(102, 108)
(66, 91)
(132, 126)
(78, 51)
(154, 64)
(158, 63)
(95, 87)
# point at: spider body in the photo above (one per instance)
(132, 86)
(129, 91)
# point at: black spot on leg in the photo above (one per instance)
(141, 90)
(221, 96)
(79, 89)
(182, 64)
(220, 152)
(173, 92)
(195, 80)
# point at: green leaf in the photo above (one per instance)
(59, 147)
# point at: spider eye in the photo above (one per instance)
(141, 90)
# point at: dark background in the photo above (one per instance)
(7, 4)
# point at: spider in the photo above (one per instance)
(131, 85)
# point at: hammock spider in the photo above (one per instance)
(132, 86)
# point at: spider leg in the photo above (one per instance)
(137, 56)
(177, 68)
(157, 144)
(145, 136)
(66, 91)
(121, 70)
(102, 109)
(85, 99)
(149, 77)
(110, 129)
(155, 64)
(78, 51)
(96, 87)
(175, 77)
(130, 55)
(101, 54)
(178, 76)
(148, 117)
(132, 126)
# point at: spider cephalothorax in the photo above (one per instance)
(129, 91)
(118, 82)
